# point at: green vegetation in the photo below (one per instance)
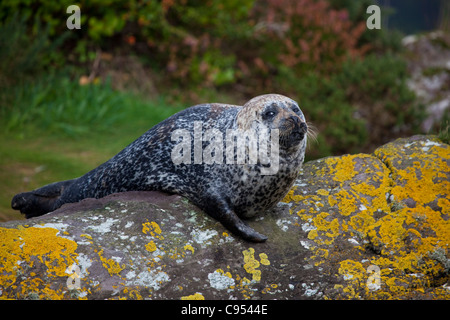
(57, 105)
(70, 99)
(59, 130)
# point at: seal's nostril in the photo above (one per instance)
(295, 119)
(303, 127)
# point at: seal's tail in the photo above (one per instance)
(40, 201)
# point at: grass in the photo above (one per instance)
(55, 129)
(58, 105)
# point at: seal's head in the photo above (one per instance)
(274, 111)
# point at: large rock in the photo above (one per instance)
(353, 227)
(429, 65)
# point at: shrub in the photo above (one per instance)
(195, 43)
(377, 86)
(365, 104)
(308, 35)
(209, 44)
(323, 101)
(24, 51)
(307, 49)
(24, 54)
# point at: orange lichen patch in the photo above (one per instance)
(151, 246)
(189, 247)
(351, 270)
(291, 197)
(420, 182)
(323, 192)
(132, 293)
(38, 248)
(346, 202)
(393, 208)
(195, 296)
(412, 242)
(152, 229)
(426, 178)
(264, 259)
(412, 234)
(113, 267)
(160, 249)
(326, 227)
(342, 168)
(251, 265)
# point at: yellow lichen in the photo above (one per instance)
(251, 264)
(407, 238)
(26, 247)
(227, 274)
(152, 229)
(113, 267)
(264, 259)
(351, 270)
(151, 246)
(189, 247)
(269, 288)
(323, 192)
(342, 168)
(132, 293)
(291, 197)
(312, 234)
(195, 296)
(243, 287)
(398, 211)
(346, 202)
(325, 228)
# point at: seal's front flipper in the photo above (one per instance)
(40, 201)
(221, 211)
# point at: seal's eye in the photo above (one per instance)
(269, 114)
(296, 109)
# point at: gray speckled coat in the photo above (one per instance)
(225, 191)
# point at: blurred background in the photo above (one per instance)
(71, 99)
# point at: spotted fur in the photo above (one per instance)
(227, 192)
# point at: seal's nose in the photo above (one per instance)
(295, 119)
(299, 132)
(303, 127)
(300, 126)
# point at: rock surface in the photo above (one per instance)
(353, 227)
(428, 57)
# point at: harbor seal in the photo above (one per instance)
(226, 170)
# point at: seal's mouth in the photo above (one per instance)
(294, 134)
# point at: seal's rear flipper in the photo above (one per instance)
(220, 210)
(40, 201)
(233, 223)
